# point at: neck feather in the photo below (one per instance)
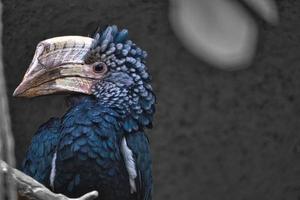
(135, 108)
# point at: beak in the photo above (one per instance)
(58, 66)
(65, 78)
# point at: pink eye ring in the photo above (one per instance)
(100, 67)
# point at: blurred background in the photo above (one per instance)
(217, 134)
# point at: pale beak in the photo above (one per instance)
(58, 66)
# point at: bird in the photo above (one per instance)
(100, 142)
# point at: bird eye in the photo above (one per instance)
(100, 67)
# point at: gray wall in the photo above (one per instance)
(217, 135)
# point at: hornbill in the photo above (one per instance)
(100, 143)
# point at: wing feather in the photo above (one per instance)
(37, 162)
(139, 145)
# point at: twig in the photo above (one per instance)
(27, 186)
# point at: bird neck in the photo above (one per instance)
(136, 103)
(135, 108)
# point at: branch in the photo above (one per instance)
(34, 190)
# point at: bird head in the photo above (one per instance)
(109, 67)
(106, 66)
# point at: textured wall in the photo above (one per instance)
(217, 135)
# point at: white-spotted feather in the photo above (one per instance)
(130, 164)
(53, 171)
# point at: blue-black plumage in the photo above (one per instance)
(100, 143)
